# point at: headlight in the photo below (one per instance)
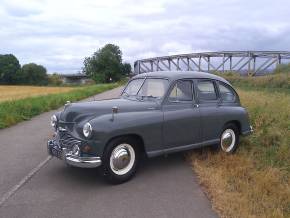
(87, 130)
(53, 121)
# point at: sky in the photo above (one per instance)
(59, 34)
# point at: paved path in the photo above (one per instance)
(163, 187)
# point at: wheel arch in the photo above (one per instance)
(236, 123)
(136, 137)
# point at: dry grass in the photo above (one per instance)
(20, 92)
(254, 182)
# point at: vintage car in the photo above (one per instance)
(157, 113)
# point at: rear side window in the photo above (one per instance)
(227, 94)
(206, 90)
(182, 91)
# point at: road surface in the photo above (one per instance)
(34, 185)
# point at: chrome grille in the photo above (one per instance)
(66, 140)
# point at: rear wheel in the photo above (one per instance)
(120, 160)
(229, 138)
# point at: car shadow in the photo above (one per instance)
(148, 167)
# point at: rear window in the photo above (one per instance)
(206, 90)
(227, 94)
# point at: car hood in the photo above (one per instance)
(77, 112)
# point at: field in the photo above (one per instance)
(255, 181)
(22, 107)
(19, 92)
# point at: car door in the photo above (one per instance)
(208, 100)
(181, 124)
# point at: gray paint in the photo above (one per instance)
(60, 191)
(164, 127)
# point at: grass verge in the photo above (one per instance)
(255, 181)
(278, 80)
(12, 112)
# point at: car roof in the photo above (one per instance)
(175, 75)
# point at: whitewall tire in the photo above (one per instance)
(120, 160)
(229, 138)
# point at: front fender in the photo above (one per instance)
(146, 124)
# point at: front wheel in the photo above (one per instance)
(229, 138)
(120, 160)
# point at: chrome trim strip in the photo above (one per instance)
(181, 148)
(82, 162)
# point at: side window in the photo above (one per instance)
(133, 86)
(206, 90)
(227, 95)
(182, 91)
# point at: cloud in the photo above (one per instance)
(16, 8)
(60, 33)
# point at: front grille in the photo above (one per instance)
(66, 140)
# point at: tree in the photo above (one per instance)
(33, 74)
(126, 69)
(9, 68)
(105, 64)
(54, 79)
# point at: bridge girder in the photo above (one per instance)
(253, 62)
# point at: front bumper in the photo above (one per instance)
(248, 132)
(64, 154)
(251, 129)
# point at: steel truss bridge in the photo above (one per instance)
(249, 62)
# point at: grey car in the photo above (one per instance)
(157, 113)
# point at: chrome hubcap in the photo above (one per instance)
(122, 159)
(228, 140)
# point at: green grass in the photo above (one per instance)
(12, 112)
(279, 80)
(255, 181)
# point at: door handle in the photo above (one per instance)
(196, 105)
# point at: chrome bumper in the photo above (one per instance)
(64, 154)
(248, 132)
(251, 129)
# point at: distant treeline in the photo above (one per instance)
(11, 72)
(104, 66)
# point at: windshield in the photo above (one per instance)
(150, 88)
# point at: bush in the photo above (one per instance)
(54, 80)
